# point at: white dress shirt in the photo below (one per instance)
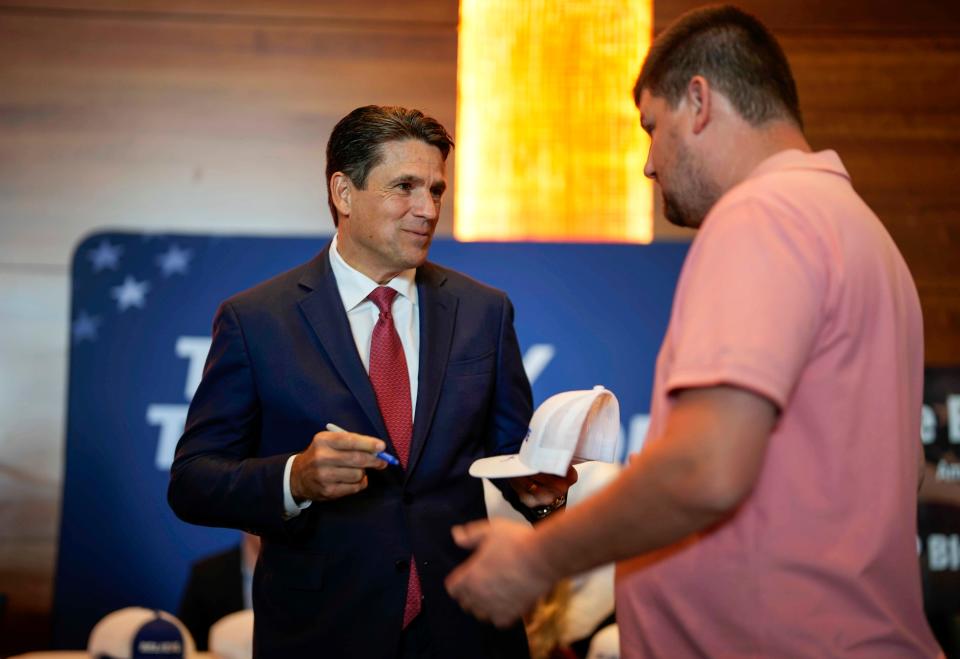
(354, 287)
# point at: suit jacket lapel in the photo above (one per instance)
(323, 309)
(438, 312)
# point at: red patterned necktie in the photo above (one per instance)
(391, 384)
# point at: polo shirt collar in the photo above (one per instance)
(826, 161)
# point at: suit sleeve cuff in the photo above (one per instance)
(290, 507)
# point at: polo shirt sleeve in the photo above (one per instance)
(750, 303)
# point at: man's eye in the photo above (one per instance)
(406, 187)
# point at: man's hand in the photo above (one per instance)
(502, 580)
(542, 489)
(333, 466)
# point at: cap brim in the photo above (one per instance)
(500, 466)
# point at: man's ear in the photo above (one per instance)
(699, 97)
(341, 188)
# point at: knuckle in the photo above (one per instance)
(322, 441)
(326, 454)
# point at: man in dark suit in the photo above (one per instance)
(219, 584)
(410, 358)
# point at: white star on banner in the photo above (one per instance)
(174, 261)
(85, 327)
(105, 255)
(131, 293)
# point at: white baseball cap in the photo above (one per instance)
(569, 427)
(231, 637)
(138, 633)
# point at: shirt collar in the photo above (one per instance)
(825, 161)
(354, 286)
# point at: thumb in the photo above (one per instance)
(470, 536)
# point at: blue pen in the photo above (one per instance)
(383, 455)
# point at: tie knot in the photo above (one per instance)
(382, 296)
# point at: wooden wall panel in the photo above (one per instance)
(877, 84)
(190, 124)
(414, 12)
(888, 106)
(847, 17)
(32, 396)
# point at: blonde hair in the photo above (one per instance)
(546, 624)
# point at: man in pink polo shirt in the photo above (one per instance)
(772, 512)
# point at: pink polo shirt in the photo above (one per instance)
(794, 290)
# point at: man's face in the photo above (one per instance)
(388, 226)
(688, 193)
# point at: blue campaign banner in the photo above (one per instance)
(141, 313)
(938, 515)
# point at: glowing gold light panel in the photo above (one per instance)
(549, 145)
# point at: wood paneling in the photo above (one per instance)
(839, 18)
(33, 315)
(350, 12)
(888, 105)
(877, 84)
(144, 120)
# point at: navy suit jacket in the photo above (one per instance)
(283, 364)
(214, 590)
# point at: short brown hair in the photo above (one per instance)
(731, 49)
(354, 144)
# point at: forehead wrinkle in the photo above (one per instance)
(403, 163)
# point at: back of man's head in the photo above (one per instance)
(354, 144)
(735, 52)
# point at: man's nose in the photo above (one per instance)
(648, 169)
(426, 205)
